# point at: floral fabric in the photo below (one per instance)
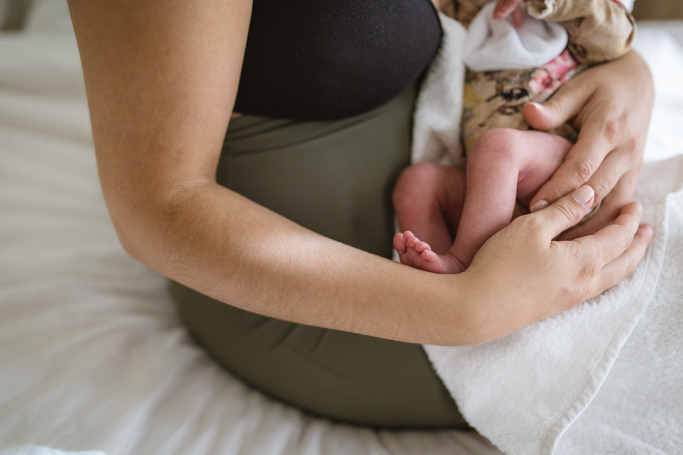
(599, 30)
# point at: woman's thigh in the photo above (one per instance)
(334, 178)
(341, 376)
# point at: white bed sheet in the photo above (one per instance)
(92, 355)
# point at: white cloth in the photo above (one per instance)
(607, 374)
(496, 44)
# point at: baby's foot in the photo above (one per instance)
(416, 253)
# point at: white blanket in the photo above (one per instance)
(601, 376)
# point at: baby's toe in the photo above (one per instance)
(429, 256)
(410, 239)
(400, 243)
(421, 246)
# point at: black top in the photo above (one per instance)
(330, 59)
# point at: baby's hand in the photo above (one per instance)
(504, 8)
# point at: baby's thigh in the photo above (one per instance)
(427, 183)
(533, 156)
(541, 154)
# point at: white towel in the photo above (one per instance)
(593, 379)
(496, 44)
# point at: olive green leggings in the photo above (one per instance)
(334, 178)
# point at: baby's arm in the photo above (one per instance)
(599, 30)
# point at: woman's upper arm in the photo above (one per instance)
(161, 79)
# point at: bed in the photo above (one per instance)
(93, 358)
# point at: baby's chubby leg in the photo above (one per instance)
(428, 200)
(505, 165)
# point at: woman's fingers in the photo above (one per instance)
(611, 206)
(615, 168)
(625, 264)
(611, 241)
(564, 213)
(612, 129)
(581, 163)
(548, 277)
(563, 106)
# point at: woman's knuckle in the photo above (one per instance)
(631, 145)
(581, 293)
(578, 254)
(557, 192)
(565, 212)
(631, 268)
(585, 167)
(600, 189)
(591, 267)
(586, 293)
(531, 224)
(612, 130)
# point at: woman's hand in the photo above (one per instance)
(610, 105)
(541, 277)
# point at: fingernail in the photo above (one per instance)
(537, 106)
(538, 206)
(583, 194)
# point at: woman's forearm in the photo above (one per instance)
(161, 80)
(231, 249)
(221, 244)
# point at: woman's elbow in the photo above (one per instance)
(138, 222)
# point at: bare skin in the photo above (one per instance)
(505, 165)
(608, 154)
(161, 80)
(511, 8)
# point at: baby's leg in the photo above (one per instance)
(428, 200)
(505, 165)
